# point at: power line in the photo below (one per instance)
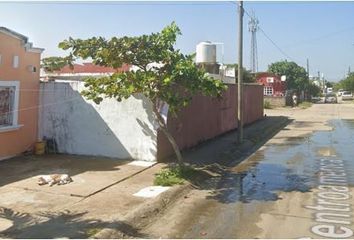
(45, 105)
(267, 36)
(328, 35)
(113, 2)
(284, 53)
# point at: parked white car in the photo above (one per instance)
(340, 92)
(346, 95)
(330, 98)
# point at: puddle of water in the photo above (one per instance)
(251, 189)
(289, 167)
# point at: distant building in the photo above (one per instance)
(19, 93)
(317, 81)
(227, 71)
(80, 71)
(273, 85)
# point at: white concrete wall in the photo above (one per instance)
(112, 129)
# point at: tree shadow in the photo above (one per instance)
(79, 128)
(63, 224)
(148, 130)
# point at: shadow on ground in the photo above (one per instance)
(58, 225)
(259, 178)
(30, 166)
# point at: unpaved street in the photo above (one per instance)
(298, 185)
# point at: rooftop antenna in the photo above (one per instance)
(253, 28)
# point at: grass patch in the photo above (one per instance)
(92, 231)
(267, 105)
(174, 175)
(305, 105)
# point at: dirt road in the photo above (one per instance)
(298, 185)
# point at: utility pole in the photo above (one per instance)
(240, 75)
(308, 77)
(321, 80)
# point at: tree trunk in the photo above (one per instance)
(170, 138)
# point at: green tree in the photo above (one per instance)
(314, 90)
(296, 76)
(347, 83)
(337, 86)
(52, 64)
(163, 75)
(330, 84)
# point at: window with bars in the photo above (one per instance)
(268, 91)
(7, 102)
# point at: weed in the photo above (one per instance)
(267, 105)
(92, 231)
(305, 105)
(174, 175)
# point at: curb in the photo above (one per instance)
(254, 142)
(147, 212)
(144, 214)
(270, 132)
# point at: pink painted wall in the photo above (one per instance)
(14, 142)
(206, 118)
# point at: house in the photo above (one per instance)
(80, 71)
(19, 91)
(273, 85)
(228, 71)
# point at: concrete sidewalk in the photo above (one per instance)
(100, 202)
(101, 193)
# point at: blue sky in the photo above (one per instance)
(320, 31)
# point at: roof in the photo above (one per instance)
(90, 68)
(266, 74)
(27, 45)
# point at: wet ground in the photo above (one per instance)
(275, 193)
(279, 169)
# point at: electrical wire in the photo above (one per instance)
(267, 36)
(113, 2)
(284, 53)
(328, 35)
(44, 105)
